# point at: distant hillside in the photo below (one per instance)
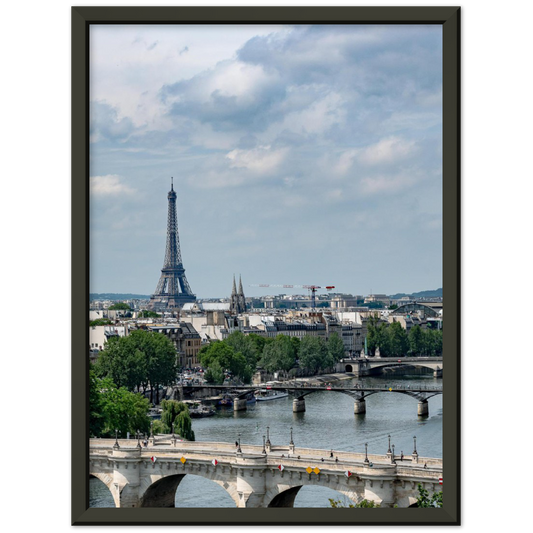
(422, 294)
(117, 296)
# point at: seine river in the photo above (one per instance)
(328, 423)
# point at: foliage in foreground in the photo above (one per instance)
(112, 407)
(424, 500)
(338, 504)
(177, 413)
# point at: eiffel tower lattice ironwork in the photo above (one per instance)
(173, 289)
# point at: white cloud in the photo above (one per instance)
(260, 160)
(109, 185)
(387, 151)
(384, 185)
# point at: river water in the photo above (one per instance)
(328, 423)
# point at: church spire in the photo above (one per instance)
(237, 300)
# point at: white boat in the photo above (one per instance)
(263, 395)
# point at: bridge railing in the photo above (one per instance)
(278, 453)
(325, 386)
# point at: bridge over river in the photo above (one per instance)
(366, 366)
(239, 394)
(256, 476)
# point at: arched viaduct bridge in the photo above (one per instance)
(364, 366)
(255, 476)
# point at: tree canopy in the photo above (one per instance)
(141, 359)
(393, 340)
(177, 413)
(115, 408)
(219, 357)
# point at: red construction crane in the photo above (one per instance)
(312, 288)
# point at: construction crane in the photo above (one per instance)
(312, 288)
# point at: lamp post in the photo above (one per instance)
(264, 450)
(415, 453)
(116, 445)
(366, 452)
(389, 450)
(291, 444)
(138, 435)
(239, 447)
(173, 435)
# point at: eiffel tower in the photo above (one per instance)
(167, 294)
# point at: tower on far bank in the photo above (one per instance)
(173, 289)
(237, 300)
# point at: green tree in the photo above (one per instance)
(171, 415)
(123, 363)
(114, 408)
(376, 336)
(416, 341)
(214, 374)
(96, 417)
(100, 322)
(295, 341)
(244, 344)
(160, 356)
(119, 306)
(335, 348)
(425, 500)
(259, 342)
(227, 360)
(148, 314)
(338, 504)
(433, 342)
(313, 353)
(398, 343)
(141, 359)
(279, 354)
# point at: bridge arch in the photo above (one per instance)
(288, 497)
(160, 490)
(107, 480)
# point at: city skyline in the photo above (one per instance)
(300, 155)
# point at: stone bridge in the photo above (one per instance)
(255, 476)
(364, 366)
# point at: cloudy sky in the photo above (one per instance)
(300, 155)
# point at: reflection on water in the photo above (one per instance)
(328, 423)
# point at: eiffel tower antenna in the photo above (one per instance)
(173, 289)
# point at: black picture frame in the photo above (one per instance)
(449, 18)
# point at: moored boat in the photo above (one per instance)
(201, 411)
(263, 395)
